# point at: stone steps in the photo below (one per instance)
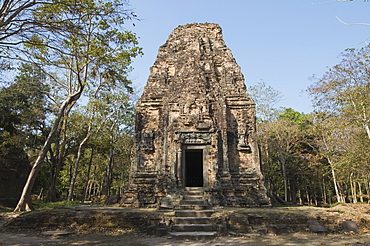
(193, 204)
(193, 213)
(193, 227)
(194, 235)
(193, 197)
(194, 207)
(194, 193)
(193, 221)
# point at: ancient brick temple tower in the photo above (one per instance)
(195, 126)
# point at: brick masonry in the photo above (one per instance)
(195, 126)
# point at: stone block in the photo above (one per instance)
(161, 232)
(151, 230)
(349, 226)
(316, 226)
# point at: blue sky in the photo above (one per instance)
(282, 42)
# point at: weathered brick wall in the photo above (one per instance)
(195, 100)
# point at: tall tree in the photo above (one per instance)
(74, 58)
(265, 97)
(24, 108)
(341, 99)
(344, 89)
(283, 136)
(61, 147)
(328, 145)
(289, 159)
(107, 109)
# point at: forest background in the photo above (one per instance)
(67, 103)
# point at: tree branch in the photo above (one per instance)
(332, 2)
(345, 23)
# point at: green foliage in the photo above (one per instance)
(290, 161)
(341, 99)
(75, 49)
(300, 119)
(23, 116)
(323, 157)
(23, 109)
(91, 48)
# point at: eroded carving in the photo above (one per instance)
(194, 138)
(195, 109)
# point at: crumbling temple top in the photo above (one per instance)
(195, 126)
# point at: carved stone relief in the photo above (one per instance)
(195, 106)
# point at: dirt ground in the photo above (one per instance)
(143, 240)
(360, 212)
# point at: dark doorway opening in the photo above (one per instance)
(194, 168)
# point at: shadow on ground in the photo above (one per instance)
(91, 225)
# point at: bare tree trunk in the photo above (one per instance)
(75, 171)
(293, 192)
(52, 191)
(367, 188)
(334, 181)
(367, 130)
(300, 197)
(353, 189)
(108, 181)
(315, 196)
(25, 201)
(58, 158)
(283, 167)
(341, 193)
(89, 193)
(354, 192)
(324, 193)
(99, 189)
(360, 192)
(84, 196)
(84, 141)
(308, 198)
(109, 176)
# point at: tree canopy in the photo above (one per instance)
(323, 157)
(69, 106)
(78, 49)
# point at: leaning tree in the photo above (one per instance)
(91, 46)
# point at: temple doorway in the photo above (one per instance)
(194, 168)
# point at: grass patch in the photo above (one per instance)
(5, 209)
(53, 205)
(336, 204)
